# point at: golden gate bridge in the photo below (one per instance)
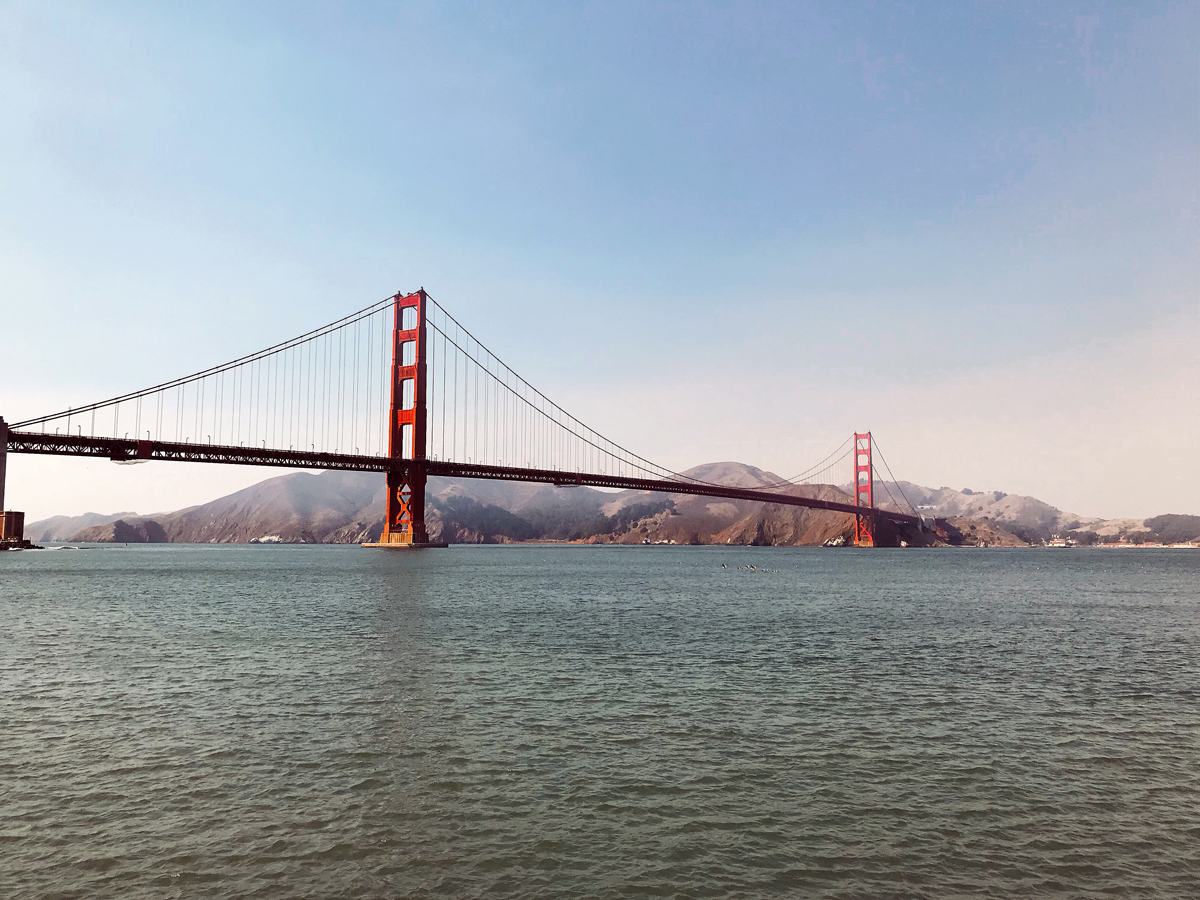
(403, 388)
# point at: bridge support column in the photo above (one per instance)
(405, 522)
(864, 491)
(12, 523)
(3, 458)
(404, 525)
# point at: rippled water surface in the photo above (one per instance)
(527, 721)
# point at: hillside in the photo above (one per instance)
(688, 519)
(347, 507)
(65, 528)
(1027, 518)
(793, 526)
(126, 530)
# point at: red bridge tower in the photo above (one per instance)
(404, 526)
(864, 493)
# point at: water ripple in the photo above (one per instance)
(598, 722)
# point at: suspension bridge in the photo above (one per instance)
(402, 388)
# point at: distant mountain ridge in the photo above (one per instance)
(348, 507)
(1031, 519)
(64, 528)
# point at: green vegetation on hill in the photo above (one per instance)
(1172, 529)
(555, 523)
(343, 507)
(484, 519)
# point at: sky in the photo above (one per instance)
(710, 231)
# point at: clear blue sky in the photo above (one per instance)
(734, 231)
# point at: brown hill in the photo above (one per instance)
(64, 528)
(125, 531)
(347, 507)
(341, 507)
(1024, 518)
(297, 508)
(775, 525)
(962, 532)
(690, 519)
(294, 508)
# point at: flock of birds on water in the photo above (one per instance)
(750, 568)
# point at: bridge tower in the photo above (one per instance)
(404, 526)
(864, 490)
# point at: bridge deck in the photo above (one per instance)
(123, 449)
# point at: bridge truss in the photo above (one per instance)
(401, 388)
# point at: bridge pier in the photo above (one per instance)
(12, 523)
(404, 527)
(404, 524)
(3, 457)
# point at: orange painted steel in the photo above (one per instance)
(126, 449)
(406, 466)
(864, 491)
(406, 475)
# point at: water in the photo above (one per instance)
(182, 721)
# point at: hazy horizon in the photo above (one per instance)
(712, 234)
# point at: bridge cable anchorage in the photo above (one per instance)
(401, 387)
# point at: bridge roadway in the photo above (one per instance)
(126, 450)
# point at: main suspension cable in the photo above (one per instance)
(204, 373)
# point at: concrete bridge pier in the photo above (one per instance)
(12, 523)
(3, 457)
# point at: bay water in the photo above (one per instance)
(564, 721)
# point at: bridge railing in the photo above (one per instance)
(402, 387)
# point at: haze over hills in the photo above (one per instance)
(64, 528)
(348, 507)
